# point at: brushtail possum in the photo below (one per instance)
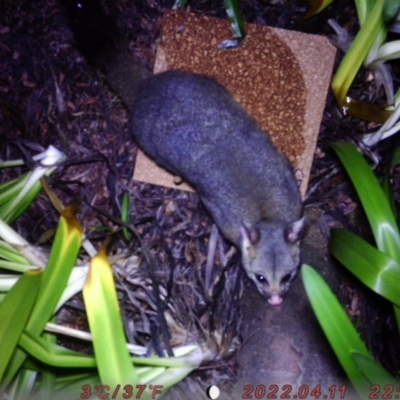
(192, 126)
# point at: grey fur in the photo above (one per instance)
(192, 126)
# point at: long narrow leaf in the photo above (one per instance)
(164, 381)
(374, 372)
(15, 267)
(48, 377)
(337, 327)
(54, 355)
(15, 246)
(62, 259)
(16, 208)
(79, 387)
(125, 215)
(316, 7)
(362, 7)
(10, 189)
(391, 8)
(26, 193)
(55, 277)
(9, 252)
(235, 16)
(22, 385)
(373, 199)
(114, 363)
(358, 51)
(387, 185)
(26, 196)
(375, 269)
(14, 313)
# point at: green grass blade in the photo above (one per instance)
(388, 51)
(24, 191)
(358, 51)
(11, 237)
(235, 16)
(372, 371)
(363, 7)
(374, 268)
(337, 327)
(390, 9)
(9, 252)
(316, 7)
(387, 184)
(21, 387)
(54, 355)
(19, 208)
(62, 259)
(180, 4)
(193, 359)
(48, 377)
(375, 203)
(15, 267)
(15, 246)
(125, 215)
(26, 195)
(164, 381)
(75, 284)
(179, 368)
(14, 313)
(64, 380)
(10, 189)
(79, 387)
(113, 359)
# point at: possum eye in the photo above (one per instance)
(286, 278)
(261, 278)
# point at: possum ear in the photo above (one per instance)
(250, 237)
(250, 234)
(296, 230)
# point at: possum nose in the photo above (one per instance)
(275, 299)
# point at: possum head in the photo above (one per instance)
(271, 255)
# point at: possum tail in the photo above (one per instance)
(100, 41)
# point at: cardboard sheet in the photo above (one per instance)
(280, 77)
